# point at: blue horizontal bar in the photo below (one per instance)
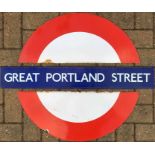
(77, 77)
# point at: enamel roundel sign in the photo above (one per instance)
(78, 114)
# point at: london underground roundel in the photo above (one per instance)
(73, 115)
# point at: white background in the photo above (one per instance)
(67, 148)
(77, 5)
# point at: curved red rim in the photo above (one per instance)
(78, 131)
(79, 22)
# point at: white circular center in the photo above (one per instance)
(79, 47)
(78, 106)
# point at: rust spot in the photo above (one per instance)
(46, 131)
(48, 61)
